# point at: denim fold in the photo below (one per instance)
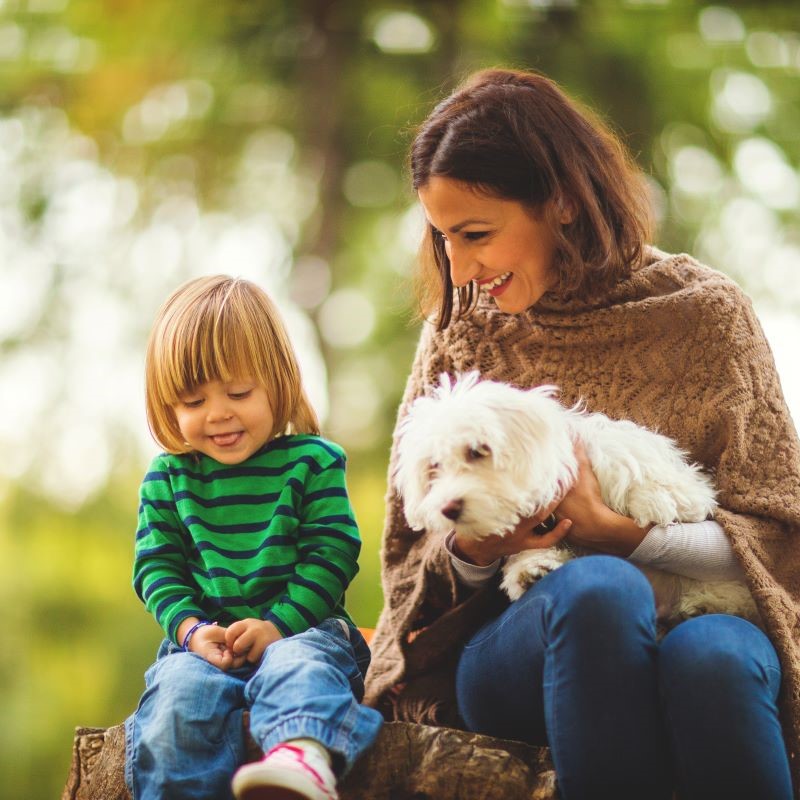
(576, 664)
(186, 738)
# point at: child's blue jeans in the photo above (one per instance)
(575, 664)
(186, 738)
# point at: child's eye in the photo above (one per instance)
(240, 395)
(193, 403)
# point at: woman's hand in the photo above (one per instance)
(594, 525)
(486, 551)
(583, 519)
(247, 640)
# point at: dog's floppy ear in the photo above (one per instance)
(411, 469)
(410, 482)
(543, 449)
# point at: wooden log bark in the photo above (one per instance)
(407, 762)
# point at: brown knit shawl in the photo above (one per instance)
(677, 348)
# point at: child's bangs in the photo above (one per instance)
(214, 350)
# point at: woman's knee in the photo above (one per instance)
(717, 651)
(604, 588)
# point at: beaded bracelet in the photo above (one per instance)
(191, 631)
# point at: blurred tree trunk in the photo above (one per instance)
(407, 762)
(320, 82)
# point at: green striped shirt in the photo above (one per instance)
(273, 538)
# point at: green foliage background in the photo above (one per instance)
(168, 103)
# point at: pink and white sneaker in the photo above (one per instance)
(286, 772)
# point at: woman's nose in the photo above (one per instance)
(463, 267)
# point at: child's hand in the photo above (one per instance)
(208, 641)
(247, 639)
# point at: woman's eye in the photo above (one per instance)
(473, 236)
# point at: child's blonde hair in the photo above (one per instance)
(221, 328)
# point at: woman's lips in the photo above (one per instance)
(496, 286)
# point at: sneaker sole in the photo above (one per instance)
(250, 786)
(270, 793)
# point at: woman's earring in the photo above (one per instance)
(565, 211)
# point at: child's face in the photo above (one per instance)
(226, 421)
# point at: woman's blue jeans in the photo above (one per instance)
(186, 738)
(575, 664)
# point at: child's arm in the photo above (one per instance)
(161, 576)
(328, 545)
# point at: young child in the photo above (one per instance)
(245, 546)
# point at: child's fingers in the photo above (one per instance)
(237, 661)
(255, 652)
(243, 643)
(234, 631)
(214, 655)
(225, 659)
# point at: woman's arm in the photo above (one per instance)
(699, 550)
(594, 525)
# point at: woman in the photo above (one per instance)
(535, 269)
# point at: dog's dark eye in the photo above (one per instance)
(433, 470)
(476, 453)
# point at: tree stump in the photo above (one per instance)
(407, 762)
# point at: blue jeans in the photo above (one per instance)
(575, 664)
(186, 738)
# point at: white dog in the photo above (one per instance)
(478, 456)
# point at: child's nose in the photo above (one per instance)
(219, 411)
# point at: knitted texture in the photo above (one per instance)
(677, 348)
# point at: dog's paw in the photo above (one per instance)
(522, 570)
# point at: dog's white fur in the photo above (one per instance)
(500, 454)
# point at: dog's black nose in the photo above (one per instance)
(452, 510)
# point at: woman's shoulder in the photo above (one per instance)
(685, 279)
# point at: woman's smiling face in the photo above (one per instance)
(500, 244)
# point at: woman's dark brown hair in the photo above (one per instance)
(517, 136)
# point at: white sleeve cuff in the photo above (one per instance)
(699, 550)
(472, 576)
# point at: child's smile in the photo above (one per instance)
(226, 421)
(226, 439)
